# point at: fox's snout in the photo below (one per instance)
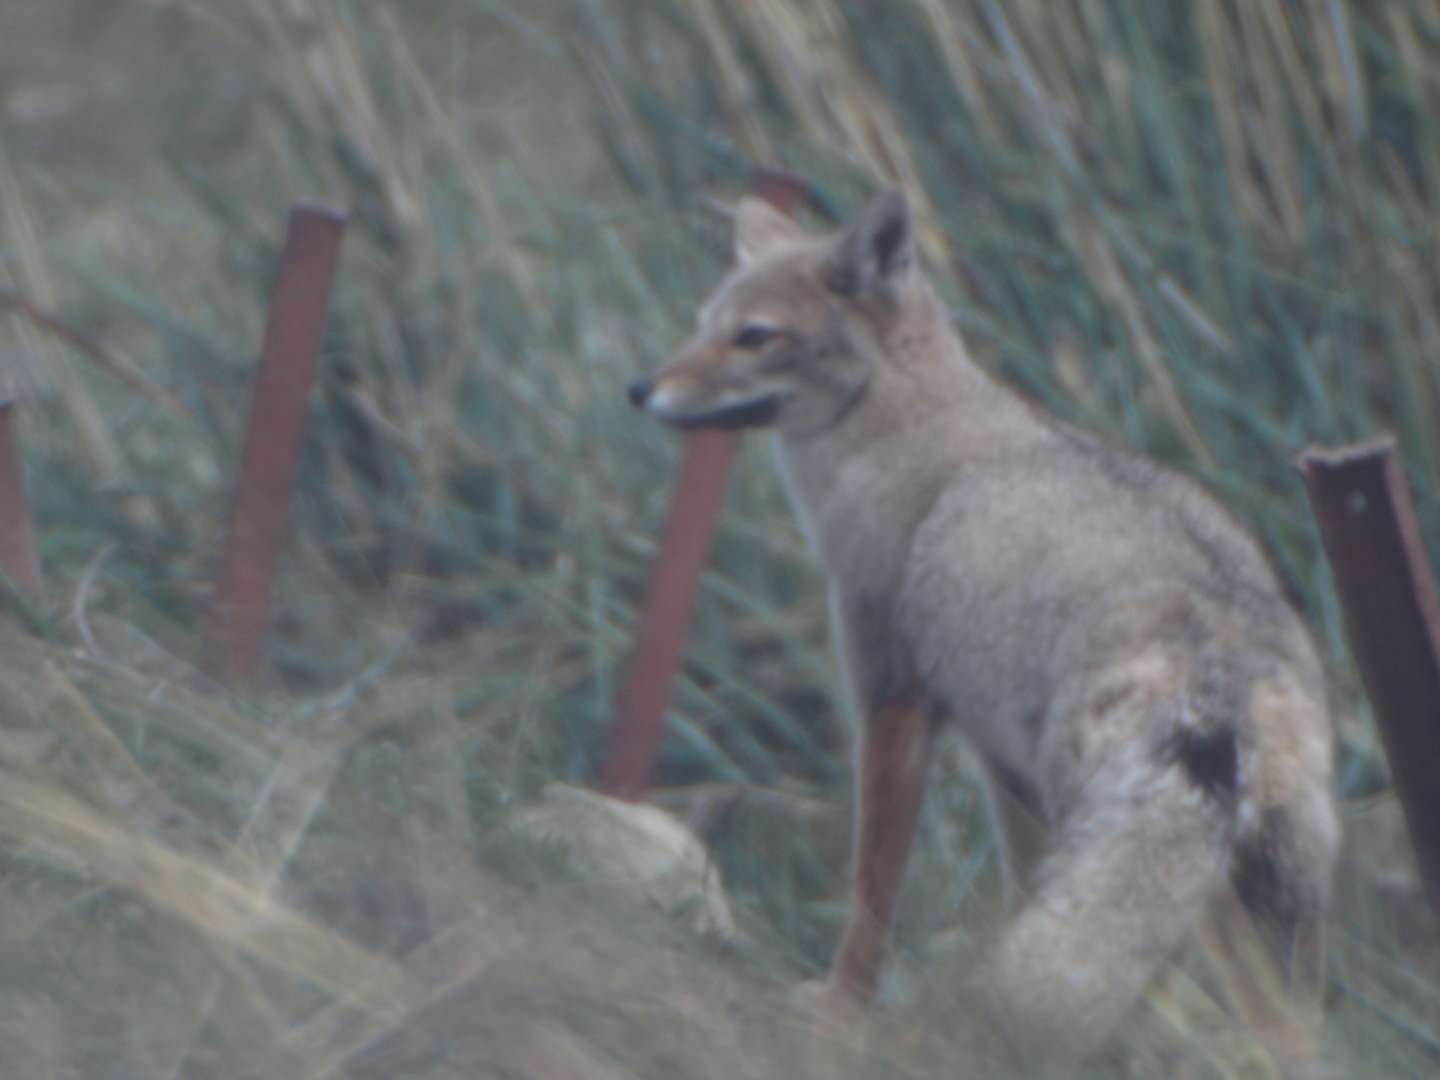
(639, 392)
(726, 411)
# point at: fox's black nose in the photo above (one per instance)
(640, 392)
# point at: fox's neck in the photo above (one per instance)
(927, 408)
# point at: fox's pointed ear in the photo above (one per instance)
(876, 251)
(759, 227)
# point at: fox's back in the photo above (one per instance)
(1036, 568)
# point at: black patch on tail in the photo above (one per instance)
(1265, 879)
(1211, 758)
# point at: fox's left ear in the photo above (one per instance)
(876, 252)
(760, 227)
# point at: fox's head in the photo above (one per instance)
(791, 336)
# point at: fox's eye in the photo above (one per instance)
(754, 335)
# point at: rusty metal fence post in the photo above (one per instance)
(670, 591)
(240, 609)
(1367, 524)
(17, 538)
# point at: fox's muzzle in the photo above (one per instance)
(758, 411)
(639, 392)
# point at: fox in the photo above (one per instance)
(1149, 711)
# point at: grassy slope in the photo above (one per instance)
(1202, 231)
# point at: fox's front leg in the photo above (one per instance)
(894, 765)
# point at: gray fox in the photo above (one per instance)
(1150, 711)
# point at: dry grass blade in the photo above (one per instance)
(1216, 37)
(285, 809)
(1110, 280)
(1283, 34)
(117, 365)
(955, 48)
(805, 45)
(1043, 111)
(443, 124)
(1343, 67)
(319, 1047)
(736, 83)
(1271, 142)
(1189, 309)
(85, 413)
(214, 902)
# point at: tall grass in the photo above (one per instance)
(1205, 230)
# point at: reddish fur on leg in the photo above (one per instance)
(894, 765)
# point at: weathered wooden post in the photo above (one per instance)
(1368, 527)
(674, 579)
(239, 613)
(17, 537)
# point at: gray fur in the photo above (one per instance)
(1107, 637)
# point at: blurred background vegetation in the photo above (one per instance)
(1204, 230)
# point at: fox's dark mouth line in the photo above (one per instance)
(756, 412)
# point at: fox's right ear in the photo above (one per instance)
(759, 227)
(875, 253)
